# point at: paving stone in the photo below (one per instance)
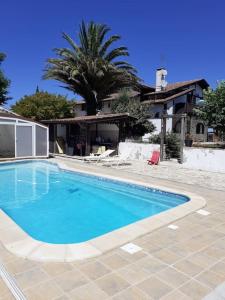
(172, 277)
(210, 278)
(70, 280)
(195, 290)
(94, 270)
(188, 267)
(154, 287)
(88, 292)
(112, 284)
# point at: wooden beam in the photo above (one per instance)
(162, 138)
(88, 140)
(182, 138)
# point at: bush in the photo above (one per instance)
(172, 143)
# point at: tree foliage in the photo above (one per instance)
(44, 106)
(126, 103)
(4, 83)
(91, 68)
(213, 109)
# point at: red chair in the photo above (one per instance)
(154, 160)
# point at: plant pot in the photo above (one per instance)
(188, 143)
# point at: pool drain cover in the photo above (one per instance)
(131, 248)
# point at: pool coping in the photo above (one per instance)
(19, 243)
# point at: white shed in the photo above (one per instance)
(21, 137)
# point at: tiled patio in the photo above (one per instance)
(187, 263)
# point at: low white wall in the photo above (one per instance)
(204, 159)
(138, 150)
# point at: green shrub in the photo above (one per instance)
(172, 143)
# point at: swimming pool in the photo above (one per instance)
(61, 207)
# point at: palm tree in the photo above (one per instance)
(92, 69)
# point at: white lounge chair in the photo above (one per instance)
(117, 159)
(95, 158)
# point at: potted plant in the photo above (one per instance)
(188, 140)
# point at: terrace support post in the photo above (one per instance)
(162, 139)
(182, 138)
(54, 136)
(88, 140)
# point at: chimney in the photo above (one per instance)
(160, 79)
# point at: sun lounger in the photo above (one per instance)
(117, 159)
(154, 160)
(94, 158)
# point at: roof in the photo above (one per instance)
(115, 95)
(168, 98)
(182, 84)
(90, 119)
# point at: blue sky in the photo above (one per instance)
(187, 37)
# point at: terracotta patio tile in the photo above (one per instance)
(188, 267)
(114, 261)
(172, 277)
(31, 278)
(151, 265)
(167, 256)
(112, 284)
(47, 290)
(132, 293)
(219, 268)
(20, 265)
(54, 269)
(133, 273)
(202, 260)
(88, 291)
(3, 289)
(70, 280)
(94, 270)
(195, 290)
(210, 278)
(176, 295)
(154, 287)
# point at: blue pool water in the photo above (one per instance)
(61, 207)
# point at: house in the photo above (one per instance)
(175, 99)
(172, 99)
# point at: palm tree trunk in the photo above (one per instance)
(91, 106)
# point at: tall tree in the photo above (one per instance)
(92, 68)
(44, 106)
(4, 83)
(126, 103)
(213, 108)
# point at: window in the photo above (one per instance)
(83, 106)
(109, 104)
(189, 98)
(157, 115)
(200, 128)
(179, 107)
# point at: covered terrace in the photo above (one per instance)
(82, 135)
